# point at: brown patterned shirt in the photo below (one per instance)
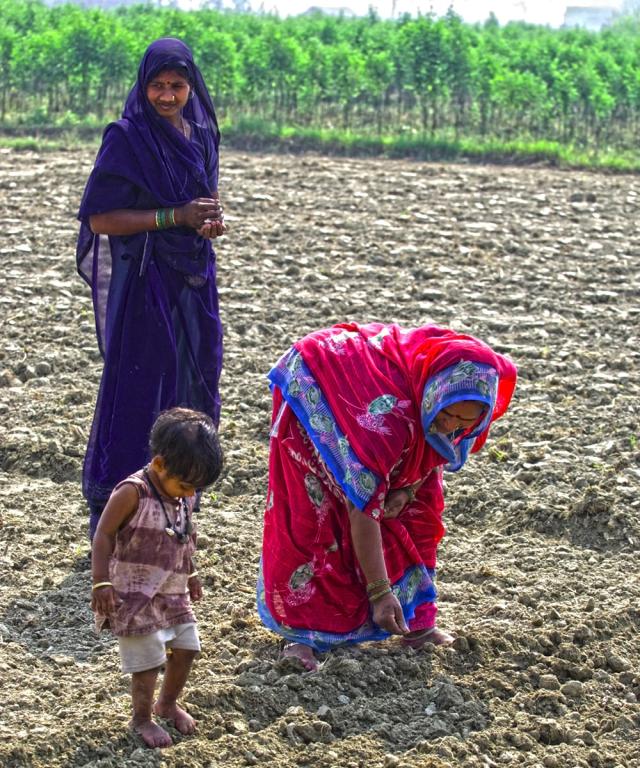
(149, 569)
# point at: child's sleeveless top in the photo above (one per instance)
(149, 569)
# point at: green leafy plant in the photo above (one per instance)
(425, 87)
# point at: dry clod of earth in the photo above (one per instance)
(539, 571)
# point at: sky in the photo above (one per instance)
(535, 11)
(547, 11)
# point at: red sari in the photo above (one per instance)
(348, 426)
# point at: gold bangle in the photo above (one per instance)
(378, 595)
(372, 586)
(101, 584)
(172, 217)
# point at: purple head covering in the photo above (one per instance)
(145, 162)
(163, 54)
(155, 156)
(160, 143)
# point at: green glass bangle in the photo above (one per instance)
(165, 217)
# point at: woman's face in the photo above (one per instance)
(460, 415)
(168, 92)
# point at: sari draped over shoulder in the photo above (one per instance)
(154, 293)
(349, 420)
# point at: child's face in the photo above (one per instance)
(173, 486)
(170, 484)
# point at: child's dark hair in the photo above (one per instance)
(188, 442)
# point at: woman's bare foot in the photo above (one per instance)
(151, 733)
(303, 653)
(182, 720)
(433, 635)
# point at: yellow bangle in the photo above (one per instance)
(101, 584)
(191, 575)
(377, 595)
(373, 586)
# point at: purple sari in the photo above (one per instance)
(154, 293)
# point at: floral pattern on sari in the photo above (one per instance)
(376, 341)
(335, 343)
(373, 418)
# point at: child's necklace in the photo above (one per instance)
(172, 530)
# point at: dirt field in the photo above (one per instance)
(539, 573)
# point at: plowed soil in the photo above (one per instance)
(539, 573)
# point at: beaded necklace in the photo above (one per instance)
(181, 534)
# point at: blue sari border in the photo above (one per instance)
(302, 393)
(413, 589)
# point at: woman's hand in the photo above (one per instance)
(103, 600)
(212, 230)
(215, 227)
(204, 212)
(387, 614)
(195, 589)
(397, 500)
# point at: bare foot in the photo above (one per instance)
(152, 734)
(431, 635)
(182, 720)
(303, 653)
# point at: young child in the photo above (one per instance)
(144, 579)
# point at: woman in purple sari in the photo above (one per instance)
(148, 214)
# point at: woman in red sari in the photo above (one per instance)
(364, 419)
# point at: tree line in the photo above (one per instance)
(415, 76)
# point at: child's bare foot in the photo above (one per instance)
(151, 733)
(182, 720)
(303, 653)
(433, 635)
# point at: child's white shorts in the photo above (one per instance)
(139, 653)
